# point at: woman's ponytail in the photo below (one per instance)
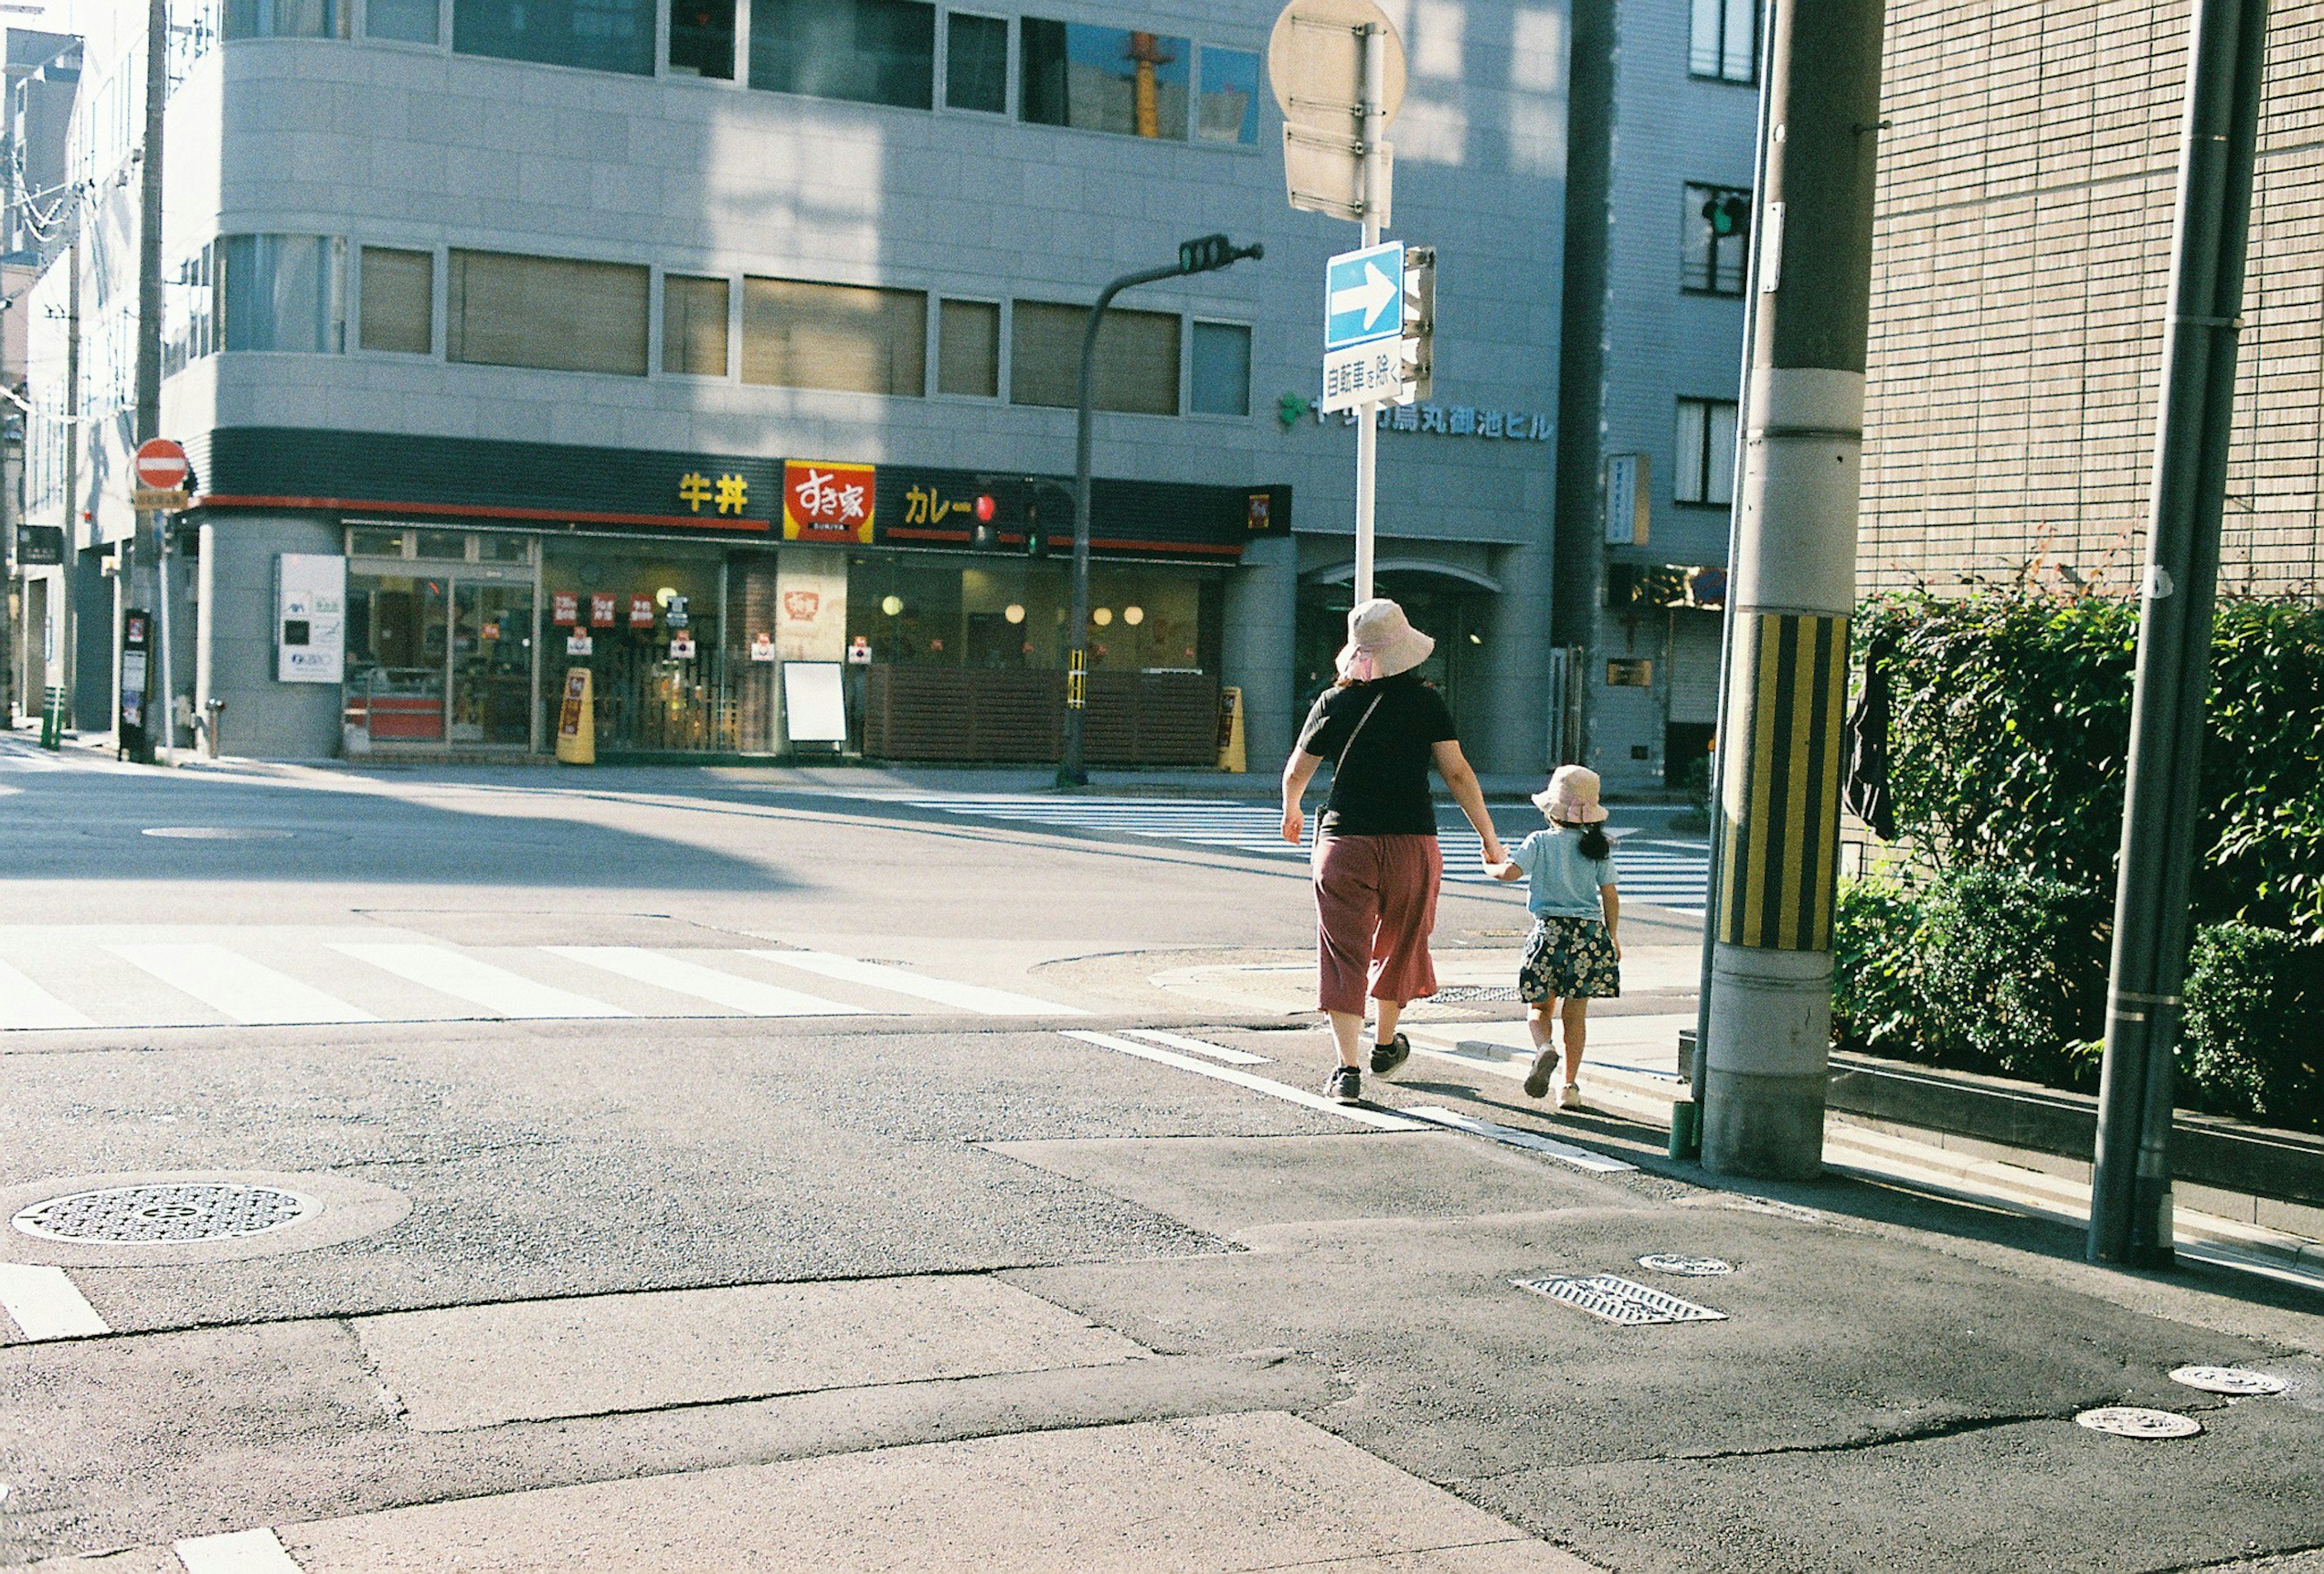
(1594, 845)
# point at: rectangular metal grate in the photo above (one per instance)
(1619, 1300)
(1472, 994)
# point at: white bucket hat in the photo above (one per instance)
(1572, 796)
(1381, 642)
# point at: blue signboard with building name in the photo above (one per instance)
(1363, 296)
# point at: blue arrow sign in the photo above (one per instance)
(1363, 296)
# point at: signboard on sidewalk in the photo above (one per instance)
(311, 608)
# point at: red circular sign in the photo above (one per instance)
(160, 464)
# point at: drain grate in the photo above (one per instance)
(1619, 1300)
(2227, 1380)
(160, 1214)
(2131, 1421)
(1467, 994)
(1685, 1267)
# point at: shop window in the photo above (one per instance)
(444, 545)
(976, 62)
(694, 326)
(1705, 471)
(1006, 613)
(702, 38)
(285, 19)
(1104, 79)
(372, 542)
(856, 340)
(968, 348)
(865, 51)
(404, 21)
(1221, 378)
(1723, 43)
(1226, 109)
(398, 307)
(501, 548)
(554, 313)
(1136, 370)
(281, 292)
(598, 35)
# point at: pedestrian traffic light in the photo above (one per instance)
(1727, 213)
(1208, 253)
(1035, 547)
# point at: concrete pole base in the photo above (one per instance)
(1767, 1128)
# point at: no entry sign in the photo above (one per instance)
(160, 464)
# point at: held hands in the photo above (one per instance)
(1294, 825)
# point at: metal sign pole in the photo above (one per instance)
(1375, 48)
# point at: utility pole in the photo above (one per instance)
(2130, 1192)
(148, 342)
(1792, 591)
(1374, 121)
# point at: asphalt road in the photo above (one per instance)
(699, 1170)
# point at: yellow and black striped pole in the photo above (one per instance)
(1793, 587)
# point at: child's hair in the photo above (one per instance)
(1594, 845)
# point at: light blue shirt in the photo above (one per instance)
(1562, 883)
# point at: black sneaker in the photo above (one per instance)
(1346, 1086)
(1387, 1057)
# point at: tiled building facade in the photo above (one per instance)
(2022, 258)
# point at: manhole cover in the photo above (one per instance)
(216, 833)
(1619, 1300)
(2227, 1380)
(1466, 994)
(150, 1215)
(1686, 1267)
(2130, 1421)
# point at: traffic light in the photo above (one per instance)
(983, 534)
(1208, 253)
(1727, 213)
(1035, 547)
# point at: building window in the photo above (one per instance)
(701, 39)
(598, 35)
(968, 348)
(1725, 41)
(285, 19)
(281, 292)
(976, 63)
(1716, 223)
(1136, 370)
(403, 21)
(694, 326)
(553, 313)
(865, 51)
(855, 340)
(1104, 78)
(1222, 380)
(397, 306)
(1227, 111)
(1705, 471)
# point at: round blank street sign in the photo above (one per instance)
(1315, 62)
(161, 465)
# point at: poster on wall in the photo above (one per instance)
(811, 605)
(310, 612)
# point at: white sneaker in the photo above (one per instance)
(1569, 1097)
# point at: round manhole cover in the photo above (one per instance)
(2130, 1421)
(1686, 1267)
(158, 1215)
(216, 833)
(2227, 1380)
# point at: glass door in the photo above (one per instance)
(490, 664)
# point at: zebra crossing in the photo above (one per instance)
(1667, 873)
(99, 976)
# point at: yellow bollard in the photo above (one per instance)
(576, 721)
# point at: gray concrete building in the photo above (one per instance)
(689, 343)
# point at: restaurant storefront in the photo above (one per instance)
(938, 600)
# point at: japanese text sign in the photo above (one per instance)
(600, 611)
(564, 607)
(826, 503)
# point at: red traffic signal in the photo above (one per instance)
(985, 508)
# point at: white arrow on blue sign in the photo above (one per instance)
(1363, 296)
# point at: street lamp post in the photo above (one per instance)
(1206, 255)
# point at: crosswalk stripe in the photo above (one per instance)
(1581, 1158)
(24, 1004)
(977, 997)
(689, 978)
(45, 1303)
(464, 978)
(1218, 1051)
(258, 1551)
(238, 987)
(1361, 1114)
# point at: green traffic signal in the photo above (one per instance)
(1727, 213)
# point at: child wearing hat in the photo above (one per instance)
(1574, 956)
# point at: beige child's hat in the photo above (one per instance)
(1572, 796)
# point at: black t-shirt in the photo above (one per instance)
(1382, 787)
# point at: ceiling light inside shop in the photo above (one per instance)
(891, 604)
(1101, 616)
(1133, 616)
(665, 595)
(1013, 613)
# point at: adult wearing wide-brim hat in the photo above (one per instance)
(1376, 863)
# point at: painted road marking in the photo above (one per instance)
(1364, 1115)
(24, 1004)
(464, 978)
(258, 1551)
(976, 998)
(45, 1303)
(1581, 1158)
(691, 978)
(238, 987)
(1218, 1051)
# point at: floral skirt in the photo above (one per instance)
(1569, 959)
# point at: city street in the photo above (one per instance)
(725, 1168)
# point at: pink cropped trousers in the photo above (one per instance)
(1375, 908)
